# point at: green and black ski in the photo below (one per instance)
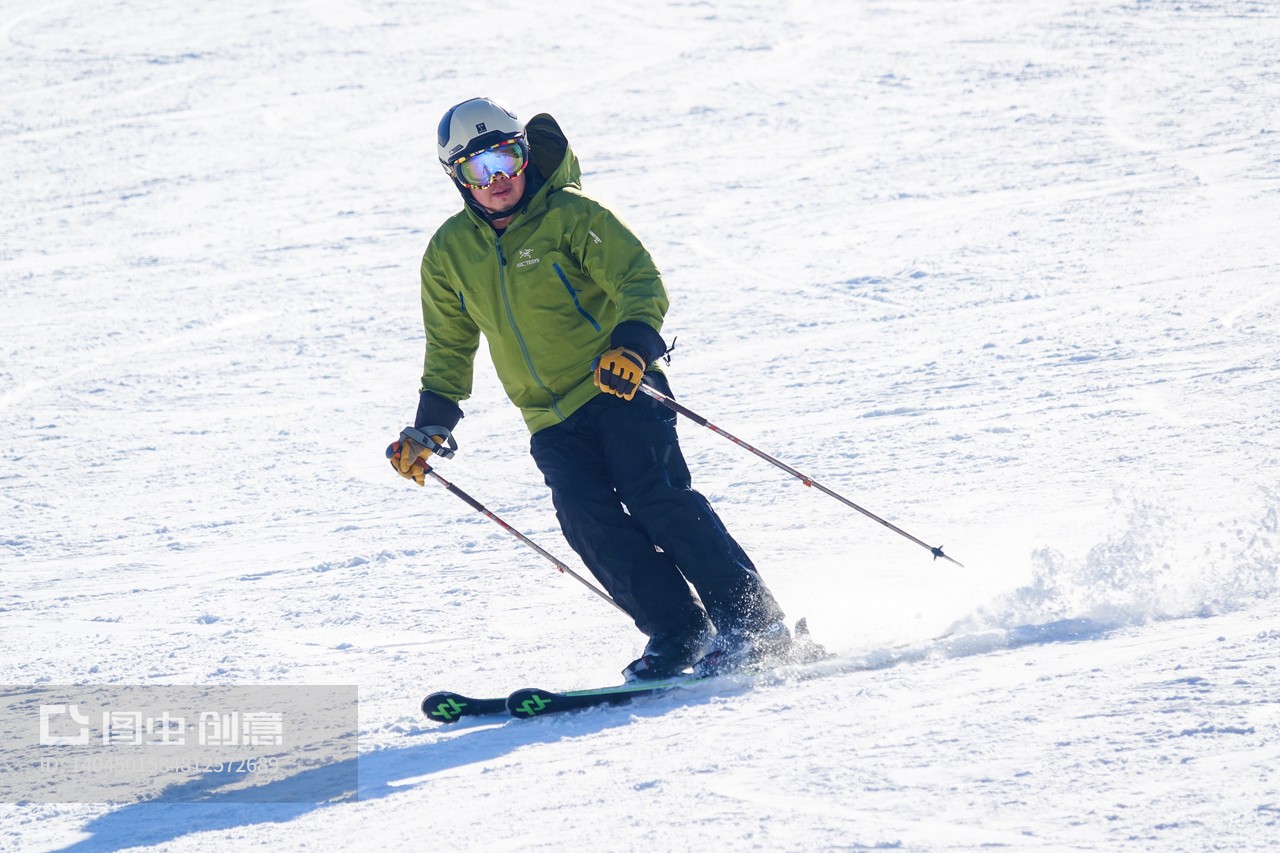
(446, 707)
(449, 707)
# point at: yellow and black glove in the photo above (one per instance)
(618, 371)
(409, 454)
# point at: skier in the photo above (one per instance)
(570, 304)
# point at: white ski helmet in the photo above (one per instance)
(472, 126)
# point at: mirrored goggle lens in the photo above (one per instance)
(478, 171)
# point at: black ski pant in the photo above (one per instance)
(623, 497)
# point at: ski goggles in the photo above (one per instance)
(477, 171)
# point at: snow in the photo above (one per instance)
(1000, 272)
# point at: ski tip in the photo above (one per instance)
(530, 702)
(937, 552)
(444, 707)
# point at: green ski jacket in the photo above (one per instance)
(546, 294)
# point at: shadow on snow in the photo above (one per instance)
(199, 805)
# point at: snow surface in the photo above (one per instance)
(1001, 272)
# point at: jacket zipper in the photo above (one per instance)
(511, 319)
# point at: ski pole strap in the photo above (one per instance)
(426, 437)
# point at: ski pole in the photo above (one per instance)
(808, 481)
(480, 508)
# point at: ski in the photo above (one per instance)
(527, 703)
(815, 662)
(533, 702)
(445, 706)
(448, 707)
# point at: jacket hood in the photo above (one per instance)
(551, 155)
(553, 166)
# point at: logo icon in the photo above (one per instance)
(449, 710)
(48, 738)
(533, 706)
(480, 128)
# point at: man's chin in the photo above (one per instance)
(504, 211)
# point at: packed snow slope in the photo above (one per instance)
(1001, 272)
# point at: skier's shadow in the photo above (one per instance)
(199, 806)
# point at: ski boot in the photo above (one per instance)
(667, 656)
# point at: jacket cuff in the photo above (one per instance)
(434, 410)
(638, 336)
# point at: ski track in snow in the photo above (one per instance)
(1001, 272)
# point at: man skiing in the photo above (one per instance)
(571, 306)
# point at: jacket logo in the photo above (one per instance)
(480, 128)
(526, 258)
